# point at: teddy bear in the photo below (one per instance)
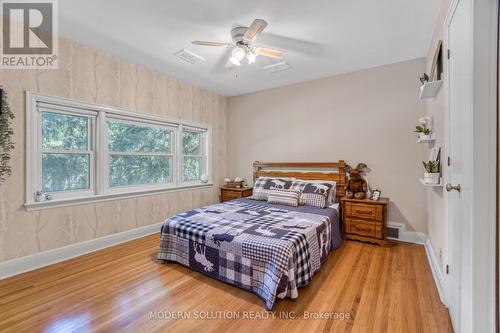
(356, 186)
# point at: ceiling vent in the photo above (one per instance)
(278, 67)
(189, 56)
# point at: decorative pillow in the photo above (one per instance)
(332, 195)
(313, 193)
(284, 197)
(262, 186)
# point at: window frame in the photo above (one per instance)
(203, 149)
(99, 115)
(91, 151)
(141, 187)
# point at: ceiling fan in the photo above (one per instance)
(242, 44)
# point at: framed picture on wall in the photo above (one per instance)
(434, 153)
(437, 63)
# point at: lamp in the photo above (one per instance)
(251, 57)
(237, 55)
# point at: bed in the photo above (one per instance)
(268, 249)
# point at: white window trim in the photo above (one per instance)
(204, 153)
(100, 190)
(91, 151)
(141, 187)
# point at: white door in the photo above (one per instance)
(458, 140)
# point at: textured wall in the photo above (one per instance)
(88, 75)
(365, 116)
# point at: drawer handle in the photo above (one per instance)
(360, 211)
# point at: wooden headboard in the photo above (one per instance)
(333, 171)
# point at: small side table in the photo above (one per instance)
(230, 193)
(365, 220)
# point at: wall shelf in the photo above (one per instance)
(432, 138)
(430, 89)
(440, 184)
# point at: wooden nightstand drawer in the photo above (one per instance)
(227, 193)
(363, 228)
(364, 211)
(230, 195)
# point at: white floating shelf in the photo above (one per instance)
(430, 139)
(432, 185)
(430, 89)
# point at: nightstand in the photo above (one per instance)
(365, 220)
(231, 193)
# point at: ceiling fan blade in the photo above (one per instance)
(255, 29)
(216, 44)
(269, 52)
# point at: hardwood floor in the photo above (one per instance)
(382, 289)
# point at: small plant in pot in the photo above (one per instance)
(424, 78)
(422, 128)
(431, 176)
(423, 131)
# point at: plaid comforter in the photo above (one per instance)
(270, 250)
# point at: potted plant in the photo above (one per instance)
(6, 133)
(424, 78)
(422, 128)
(431, 176)
(423, 132)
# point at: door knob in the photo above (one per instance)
(450, 187)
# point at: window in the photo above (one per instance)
(82, 152)
(66, 152)
(193, 155)
(139, 154)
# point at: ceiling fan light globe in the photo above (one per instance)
(251, 58)
(234, 61)
(238, 53)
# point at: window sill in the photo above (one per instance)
(32, 206)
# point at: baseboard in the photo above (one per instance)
(25, 264)
(435, 269)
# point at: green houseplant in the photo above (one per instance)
(431, 175)
(423, 127)
(424, 78)
(6, 131)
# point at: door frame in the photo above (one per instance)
(477, 288)
(497, 213)
(467, 177)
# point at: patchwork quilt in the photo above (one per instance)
(268, 249)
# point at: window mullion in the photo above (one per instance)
(180, 154)
(67, 152)
(101, 154)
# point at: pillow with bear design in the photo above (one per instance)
(313, 194)
(263, 186)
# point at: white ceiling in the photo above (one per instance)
(320, 37)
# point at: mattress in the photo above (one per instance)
(268, 249)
